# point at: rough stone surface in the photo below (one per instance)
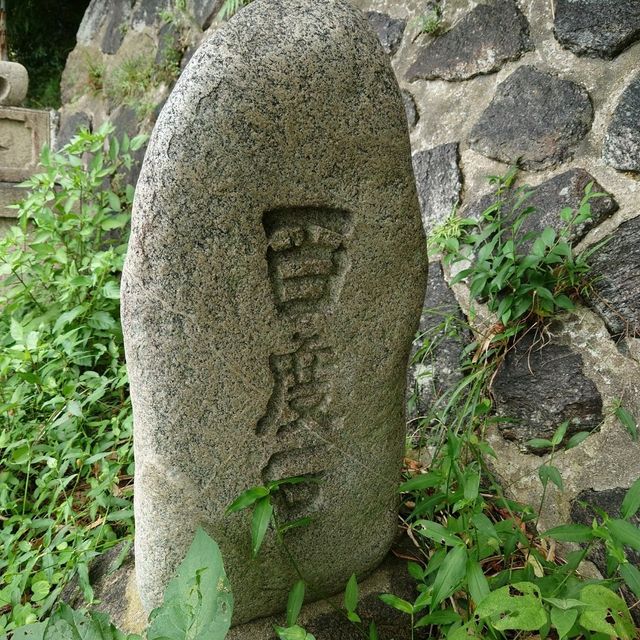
(535, 119)
(271, 291)
(147, 12)
(204, 11)
(70, 123)
(486, 38)
(597, 28)
(622, 141)
(23, 133)
(444, 325)
(548, 199)
(411, 109)
(616, 279)
(389, 30)
(541, 385)
(14, 83)
(439, 182)
(116, 25)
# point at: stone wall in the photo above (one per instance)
(551, 86)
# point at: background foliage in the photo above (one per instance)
(41, 34)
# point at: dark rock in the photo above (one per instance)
(389, 30)
(118, 23)
(547, 200)
(169, 46)
(597, 28)
(204, 11)
(411, 109)
(615, 269)
(535, 120)
(541, 385)
(583, 511)
(622, 142)
(443, 324)
(70, 123)
(486, 38)
(439, 182)
(147, 12)
(125, 120)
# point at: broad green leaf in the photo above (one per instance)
(570, 533)
(396, 603)
(450, 574)
(292, 633)
(608, 613)
(563, 302)
(559, 434)
(471, 484)
(68, 316)
(373, 631)
(424, 481)
(435, 531)
(467, 631)
(577, 438)
(246, 499)
(197, 602)
(516, 606)
(101, 320)
(625, 533)
(549, 472)
(476, 582)
(628, 422)
(262, 512)
(441, 617)
(294, 603)
(114, 201)
(33, 631)
(548, 236)
(351, 594)
(415, 571)
(631, 502)
(111, 290)
(539, 443)
(563, 620)
(631, 575)
(486, 529)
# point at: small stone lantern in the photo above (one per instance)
(14, 79)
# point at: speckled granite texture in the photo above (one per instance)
(272, 287)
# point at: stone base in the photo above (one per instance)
(117, 595)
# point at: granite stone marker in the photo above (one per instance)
(272, 287)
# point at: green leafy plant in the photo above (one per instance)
(197, 605)
(65, 437)
(521, 276)
(430, 22)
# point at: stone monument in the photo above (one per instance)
(272, 288)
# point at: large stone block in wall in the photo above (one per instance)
(535, 120)
(545, 202)
(622, 141)
(597, 28)
(542, 384)
(272, 288)
(615, 271)
(486, 38)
